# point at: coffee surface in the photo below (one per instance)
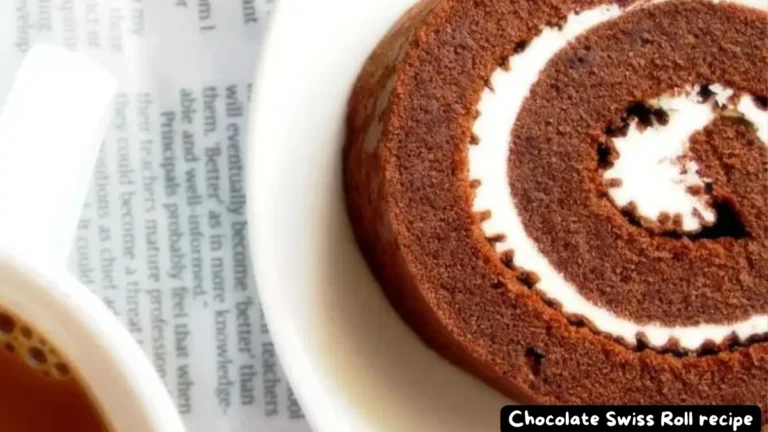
(39, 391)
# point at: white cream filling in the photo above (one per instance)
(488, 163)
(651, 166)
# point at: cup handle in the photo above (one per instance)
(51, 129)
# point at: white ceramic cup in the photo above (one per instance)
(51, 130)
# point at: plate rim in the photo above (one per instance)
(287, 346)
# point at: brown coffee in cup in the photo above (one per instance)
(39, 389)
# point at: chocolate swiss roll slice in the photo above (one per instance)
(569, 199)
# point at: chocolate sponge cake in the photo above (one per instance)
(569, 198)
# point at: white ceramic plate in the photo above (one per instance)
(355, 366)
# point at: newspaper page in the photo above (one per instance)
(163, 236)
